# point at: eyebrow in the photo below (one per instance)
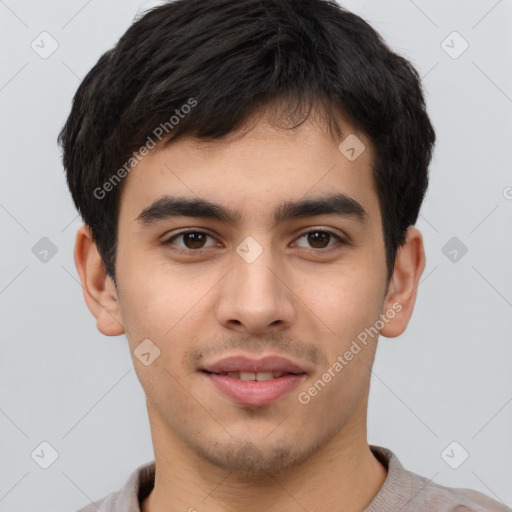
(168, 207)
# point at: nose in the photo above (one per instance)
(255, 298)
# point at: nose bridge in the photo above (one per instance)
(253, 295)
(254, 275)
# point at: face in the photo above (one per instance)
(279, 287)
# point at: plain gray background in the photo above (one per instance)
(447, 379)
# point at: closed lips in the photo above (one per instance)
(244, 368)
(259, 376)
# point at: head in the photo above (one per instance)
(227, 116)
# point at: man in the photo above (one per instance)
(249, 173)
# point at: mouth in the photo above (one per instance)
(254, 383)
(255, 376)
(244, 364)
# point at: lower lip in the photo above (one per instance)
(255, 393)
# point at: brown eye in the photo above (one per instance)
(190, 240)
(320, 239)
(194, 240)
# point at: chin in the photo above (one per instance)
(248, 458)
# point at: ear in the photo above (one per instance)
(99, 290)
(401, 294)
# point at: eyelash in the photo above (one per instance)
(169, 241)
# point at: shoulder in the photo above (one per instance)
(413, 492)
(432, 496)
(127, 499)
(106, 504)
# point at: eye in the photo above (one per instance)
(192, 241)
(320, 239)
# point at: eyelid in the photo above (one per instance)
(341, 238)
(335, 232)
(201, 231)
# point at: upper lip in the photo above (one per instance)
(272, 363)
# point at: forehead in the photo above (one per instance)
(255, 172)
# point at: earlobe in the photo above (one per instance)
(401, 295)
(99, 290)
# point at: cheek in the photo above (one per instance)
(154, 295)
(154, 310)
(343, 311)
(346, 301)
(165, 305)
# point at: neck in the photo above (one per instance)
(343, 475)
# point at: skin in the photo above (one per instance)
(295, 299)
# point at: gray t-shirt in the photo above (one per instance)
(402, 491)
